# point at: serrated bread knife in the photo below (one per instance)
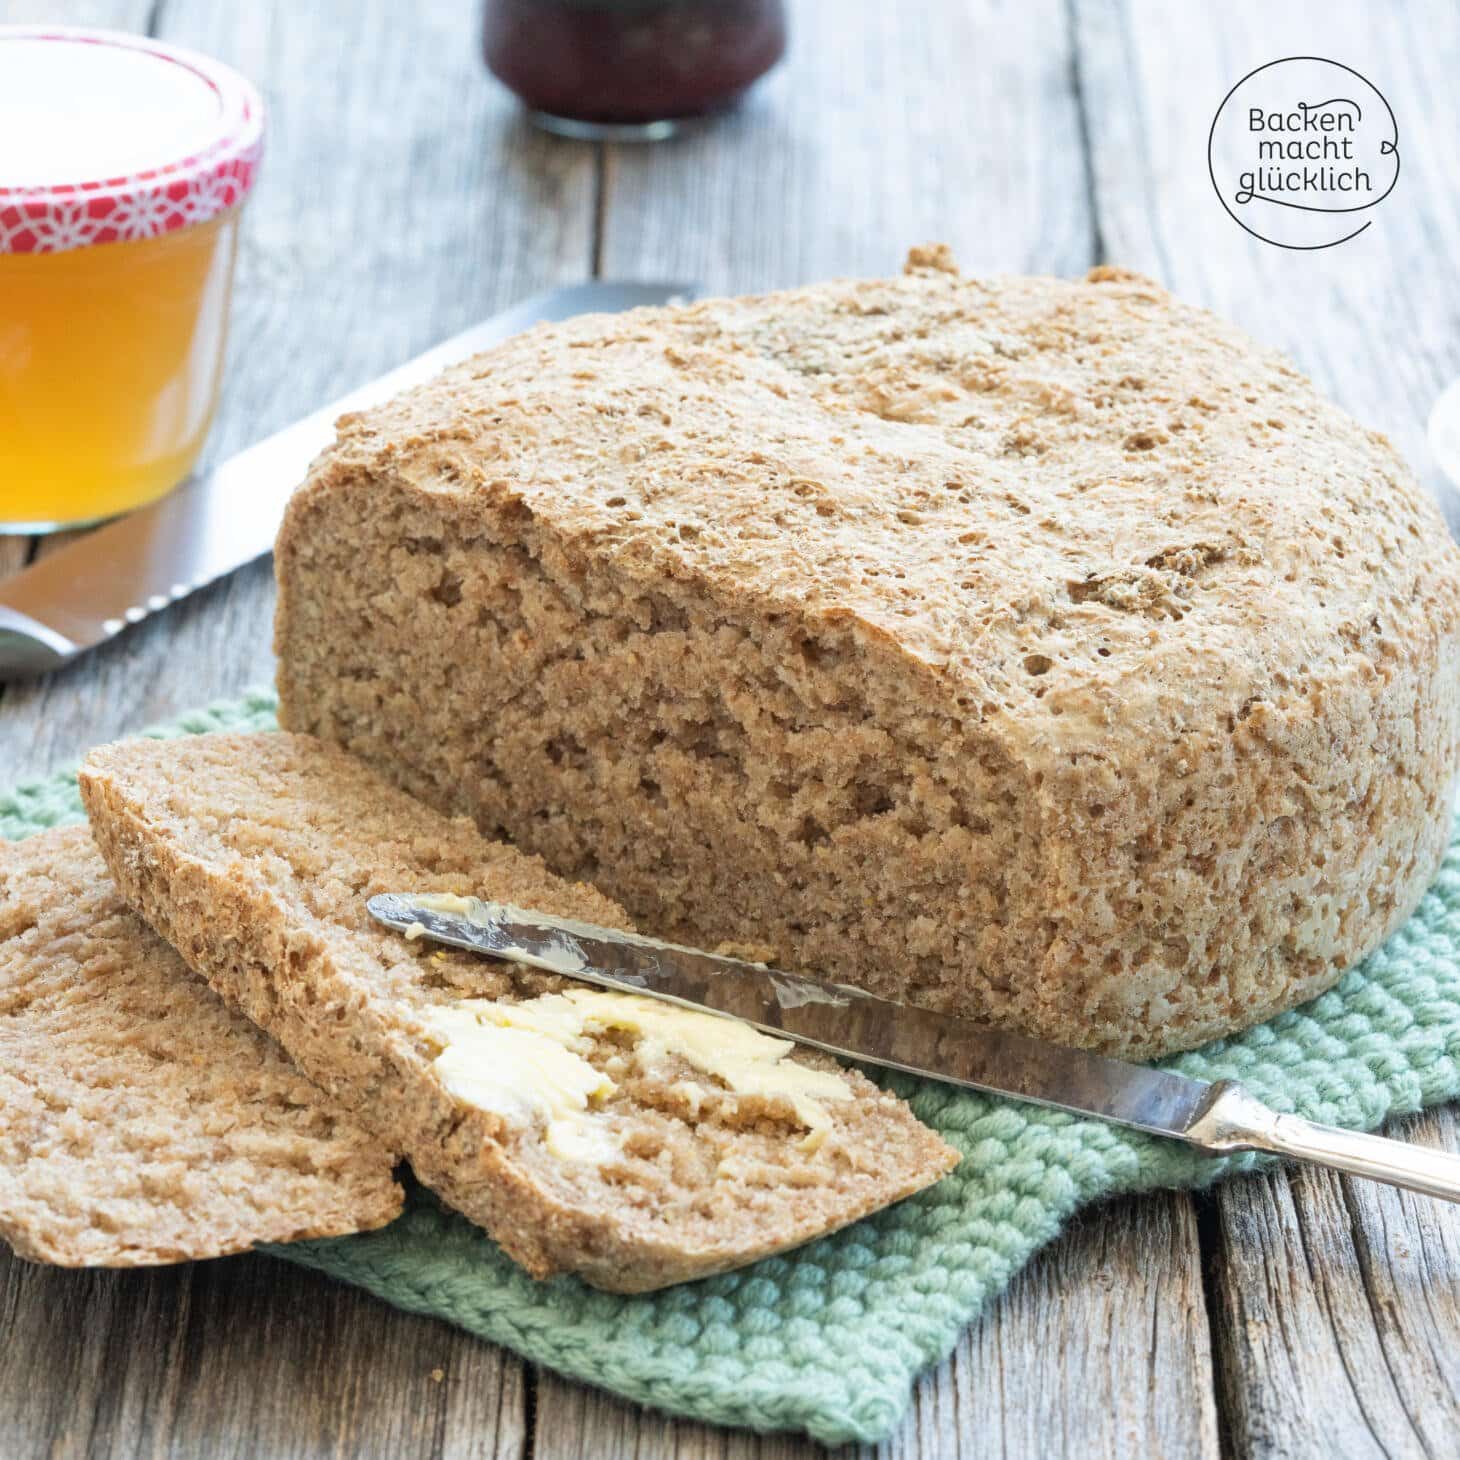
(94, 588)
(1218, 1118)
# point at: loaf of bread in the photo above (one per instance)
(254, 857)
(1044, 652)
(141, 1121)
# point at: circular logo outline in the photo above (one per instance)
(1304, 247)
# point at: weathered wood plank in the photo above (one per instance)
(1334, 1302)
(573, 1421)
(881, 132)
(241, 1357)
(1099, 1347)
(401, 199)
(1348, 1294)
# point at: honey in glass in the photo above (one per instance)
(110, 359)
(118, 229)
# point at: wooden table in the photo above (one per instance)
(403, 199)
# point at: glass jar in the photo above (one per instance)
(118, 227)
(630, 70)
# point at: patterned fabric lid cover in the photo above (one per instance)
(106, 137)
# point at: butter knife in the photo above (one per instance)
(1217, 1118)
(120, 574)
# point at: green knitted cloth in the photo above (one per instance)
(829, 1339)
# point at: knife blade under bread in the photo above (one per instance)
(1217, 1118)
(85, 593)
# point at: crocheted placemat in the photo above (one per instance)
(830, 1338)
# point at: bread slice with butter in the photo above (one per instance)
(141, 1120)
(591, 1133)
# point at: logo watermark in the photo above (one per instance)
(1301, 150)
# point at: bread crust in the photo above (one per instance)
(1045, 652)
(254, 857)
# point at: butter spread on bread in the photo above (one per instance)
(255, 857)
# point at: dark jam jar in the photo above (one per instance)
(630, 69)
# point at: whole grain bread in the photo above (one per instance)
(254, 857)
(1045, 652)
(141, 1121)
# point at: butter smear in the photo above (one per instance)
(520, 1061)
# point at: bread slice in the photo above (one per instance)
(254, 857)
(1041, 651)
(142, 1121)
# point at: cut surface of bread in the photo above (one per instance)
(1043, 651)
(141, 1120)
(255, 855)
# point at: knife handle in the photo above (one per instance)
(1233, 1120)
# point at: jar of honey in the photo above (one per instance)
(124, 164)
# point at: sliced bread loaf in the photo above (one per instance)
(1043, 651)
(142, 1121)
(597, 1148)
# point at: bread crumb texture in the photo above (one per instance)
(141, 1121)
(1044, 652)
(254, 855)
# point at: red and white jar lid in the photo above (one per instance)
(107, 137)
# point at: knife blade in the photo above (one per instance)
(87, 592)
(1215, 1117)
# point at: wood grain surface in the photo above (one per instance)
(1327, 1339)
(403, 198)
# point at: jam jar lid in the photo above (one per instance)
(106, 137)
